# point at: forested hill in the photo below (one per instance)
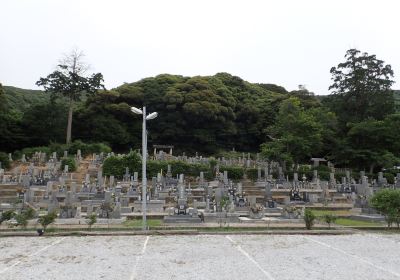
(202, 114)
(209, 114)
(20, 100)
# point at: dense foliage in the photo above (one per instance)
(4, 160)
(387, 202)
(59, 149)
(70, 81)
(356, 126)
(116, 165)
(70, 162)
(309, 218)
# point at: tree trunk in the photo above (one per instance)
(371, 168)
(69, 126)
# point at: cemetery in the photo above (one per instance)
(238, 191)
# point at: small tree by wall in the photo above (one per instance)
(387, 202)
(309, 218)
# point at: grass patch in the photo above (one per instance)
(355, 223)
(337, 213)
(138, 223)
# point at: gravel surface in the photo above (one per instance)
(358, 256)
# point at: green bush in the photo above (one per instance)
(304, 169)
(22, 220)
(70, 161)
(7, 215)
(329, 219)
(86, 149)
(387, 202)
(234, 173)
(29, 152)
(322, 168)
(252, 173)
(309, 218)
(5, 163)
(116, 166)
(91, 220)
(47, 219)
(390, 177)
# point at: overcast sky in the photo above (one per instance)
(288, 42)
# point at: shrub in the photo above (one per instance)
(234, 173)
(70, 162)
(29, 152)
(252, 173)
(116, 166)
(47, 219)
(88, 148)
(5, 163)
(387, 202)
(7, 215)
(25, 215)
(309, 218)
(329, 219)
(91, 220)
(22, 220)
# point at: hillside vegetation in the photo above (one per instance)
(353, 127)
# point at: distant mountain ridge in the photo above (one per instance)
(20, 100)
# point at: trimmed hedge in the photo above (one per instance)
(116, 166)
(86, 149)
(5, 163)
(70, 161)
(234, 173)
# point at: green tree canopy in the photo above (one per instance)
(69, 80)
(362, 88)
(296, 135)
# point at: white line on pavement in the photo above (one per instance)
(250, 258)
(352, 255)
(139, 257)
(31, 255)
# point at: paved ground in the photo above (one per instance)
(360, 256)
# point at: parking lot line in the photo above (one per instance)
(250, 258)
(31, 255)
(352, 255)
(138, 258)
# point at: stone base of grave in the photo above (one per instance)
(181, 219)
(152, 206)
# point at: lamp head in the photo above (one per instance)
(136, 110)
(152, 116)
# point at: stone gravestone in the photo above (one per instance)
(266, 172)
(397, 183)
(315, 176)
(259, 174)
(135, 179)
(169, 173)
(111, 181)
(154, 188)
(100, 178)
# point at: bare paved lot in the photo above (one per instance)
(361, 256)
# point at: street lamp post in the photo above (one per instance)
(144, 157)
